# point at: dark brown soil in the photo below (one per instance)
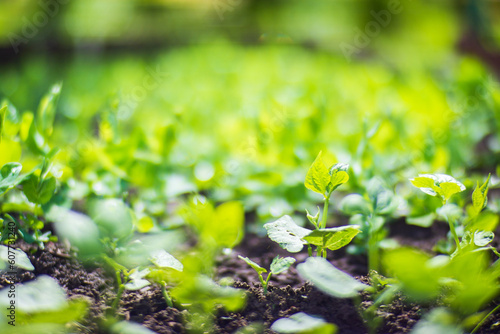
(288, 293)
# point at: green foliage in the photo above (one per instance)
(304, 324)
(329, 279)
(17, 258)
(332, 238)
(278, 266)
(9, 176)
(438, 184)
(287, 234)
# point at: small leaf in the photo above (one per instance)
(438, 184)
(355, 204)
(137, 280)
(163, 259)
(482, 238)
(422, 221)
(9, 176)
(329, 279)
(47, 109)
(20, 258)
(145, 224)
(317, 178)
(287, 234)
(254, 265)
(41, 294)
(281, 264)
(304, 324)
(333, 238)
(479, 196)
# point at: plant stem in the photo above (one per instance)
(309, 250)
(453, 232)
(325, 212)
(484, 319)
(114, 306)
(265, 283)
(165, 294)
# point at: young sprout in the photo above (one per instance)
(324, 181)
(279, 265)
(441, 185)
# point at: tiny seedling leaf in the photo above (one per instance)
(137, 280)
(304, 324)
(21, 259)
(254, 265)
(438, 184)
(287, 234)
(479, 196)
(333, 238)
(163, 259)
(318, 177)
(281, 264)
(329, 279)
(482, 238)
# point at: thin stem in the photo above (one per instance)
(165, 294)
(114, 306)
(265, 283)
(453, 232)
(484, 319)
(325, 212)
(309, 250)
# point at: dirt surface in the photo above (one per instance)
(288, 293)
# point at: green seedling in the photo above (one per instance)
(293, 237)
(444, 186)
(278, 266)
(370, 212)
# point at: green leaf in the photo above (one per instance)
(355, 204)
(163, 259)
(39, 192)
(254, 265)
(482, 238)
(9, 176)
(329, 279)
(281, 264)
(422, 221)
(47, 109)
(333, 238)
(318, 177)
(74, 310)
(287, 234)
(78, 229)
(3, 111)
(227, 228)
(480, 196)
(145, 224)
(41, 294)
(137, 280)
(437, 321)
(413, 269)
(112, 216)
(338, 176)
(486, 221)
(304, 324)
(438, 184)
(128, 327)
(19, 257)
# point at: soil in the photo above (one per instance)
(287, 295)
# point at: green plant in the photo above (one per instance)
(371, 212)
(293, 237)
(278, 265)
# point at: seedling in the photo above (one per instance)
(292, 237)
(444, 186)
(278, 266)
(370, 212)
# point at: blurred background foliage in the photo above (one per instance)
(235, 98)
